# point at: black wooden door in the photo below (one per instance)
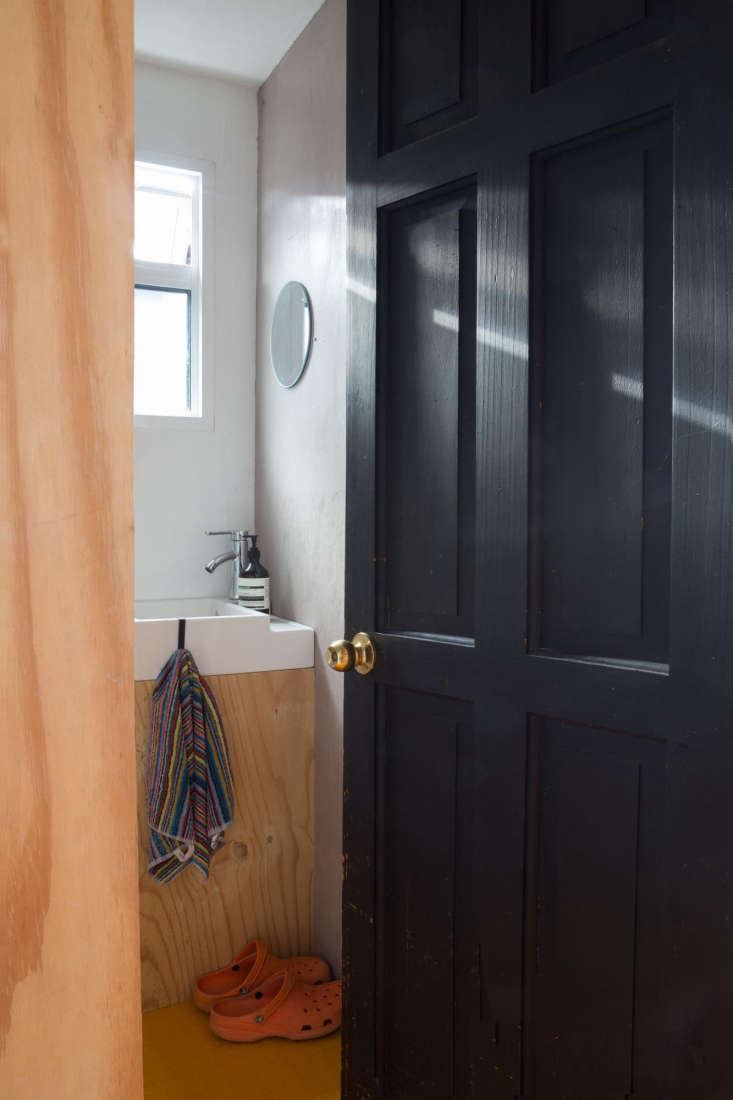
(538, 866)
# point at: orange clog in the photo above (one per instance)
(252, 966)
(282, 1007)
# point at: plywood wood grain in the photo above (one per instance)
(69, 969)
(262, 878)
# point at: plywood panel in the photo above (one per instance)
(261, 879)
(69, 970)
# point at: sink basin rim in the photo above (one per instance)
(189, 608)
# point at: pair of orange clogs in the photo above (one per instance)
(260, 996)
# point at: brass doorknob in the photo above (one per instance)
(358, 654)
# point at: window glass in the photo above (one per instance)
(163, 214)
(168, 292)
(162, 351)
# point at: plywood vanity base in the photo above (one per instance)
(260, 884)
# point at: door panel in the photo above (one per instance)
(601, 393)
(596, 801)
(427, 414)
(538, 771)
(428, 60)
(572, 35)
(425, 983)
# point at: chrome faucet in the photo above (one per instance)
(239, 540)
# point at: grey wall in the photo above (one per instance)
(300, 450)
(209, 464)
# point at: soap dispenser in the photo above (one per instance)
(254, 581)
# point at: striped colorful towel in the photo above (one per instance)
(189, 776)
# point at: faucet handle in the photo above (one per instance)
(232, 534)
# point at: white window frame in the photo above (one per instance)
(199, 280)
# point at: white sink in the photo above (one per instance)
(223, 637)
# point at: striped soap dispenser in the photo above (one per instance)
(254, 580)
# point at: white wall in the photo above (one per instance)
(301, 438)
(188, 479)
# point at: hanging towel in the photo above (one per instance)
(189, 775)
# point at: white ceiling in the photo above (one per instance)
(243, 39)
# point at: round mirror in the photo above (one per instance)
(290, 338)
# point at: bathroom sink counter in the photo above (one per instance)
(223, 637)
(260, 670)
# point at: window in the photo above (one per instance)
(168, 291)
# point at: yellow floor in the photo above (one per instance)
(183, 1060)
